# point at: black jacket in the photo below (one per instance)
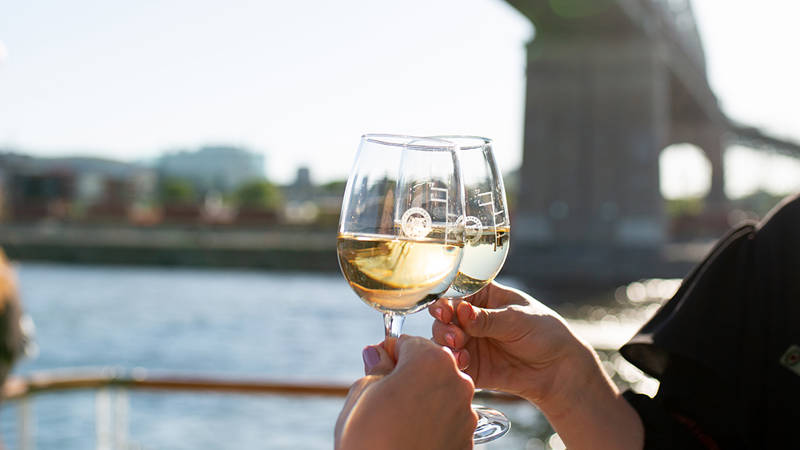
(726, 347)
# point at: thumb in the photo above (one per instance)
(481, 322)
(376, 360)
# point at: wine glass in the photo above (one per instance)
(486, 239)
(400, 240)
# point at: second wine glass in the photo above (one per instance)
(486, 239)
(487, 227)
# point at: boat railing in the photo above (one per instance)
(111, 388)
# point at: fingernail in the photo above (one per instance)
(437, 312)
(450, 339)
(371, 358)
(461, 359)
(473, 313)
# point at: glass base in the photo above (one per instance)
(492, 424)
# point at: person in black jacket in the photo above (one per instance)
(725, 348)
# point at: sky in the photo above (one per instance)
(301, 81)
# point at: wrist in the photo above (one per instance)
(587, 410)
(575, 378)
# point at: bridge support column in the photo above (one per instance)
(711, 141)
(597, 116)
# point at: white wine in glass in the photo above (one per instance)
(486, 239)
(395, 274)
(484, 255)
(400, 240)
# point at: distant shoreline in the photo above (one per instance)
(271, 248)
(553, 272)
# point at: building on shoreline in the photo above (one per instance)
(71, 187)
(213, 168)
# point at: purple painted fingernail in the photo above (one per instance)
(450, 339)
(437, 312)
(371, 358)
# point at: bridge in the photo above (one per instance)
(610, 84)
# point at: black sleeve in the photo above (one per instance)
(662, 430)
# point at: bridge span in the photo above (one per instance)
(610, 84)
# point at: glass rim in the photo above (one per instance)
(484, 140)
(410, 142)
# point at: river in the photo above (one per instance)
(232, 323)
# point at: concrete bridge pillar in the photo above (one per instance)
(606, 83)
(597, 116)
(711, 140)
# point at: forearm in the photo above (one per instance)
(590, 413)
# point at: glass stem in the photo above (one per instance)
(394, 324)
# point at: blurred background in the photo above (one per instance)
(171, 175)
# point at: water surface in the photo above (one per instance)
(232, 323)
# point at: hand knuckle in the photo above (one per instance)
(487, 319)
(518, 309)
(440, 358)
(466, 384)
(473, 419)
(440, 362)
